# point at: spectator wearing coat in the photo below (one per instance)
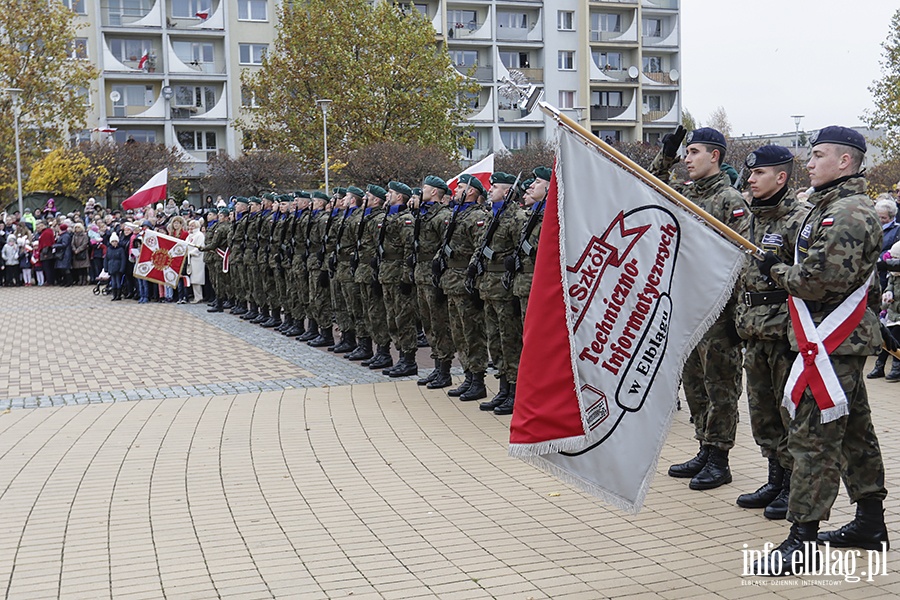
(81, 253)
(115, 263)
(46, 241)
(10, 255)
(196, 266)
(63, 250)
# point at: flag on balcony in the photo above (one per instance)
(625, 285)
(161, 258)
(143, 60)
(152, 191)
(482, 170)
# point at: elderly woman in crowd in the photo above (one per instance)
(63, 252)
(196, 267)
(46, 241)
(886, 209)
(81, 253)
(177, 228)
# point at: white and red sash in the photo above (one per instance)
(226, 258)
(812, 368)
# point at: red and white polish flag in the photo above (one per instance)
(482, 170)
(625, 285)
(161, 258)
(152, 191)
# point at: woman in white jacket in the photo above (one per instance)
(196, 266)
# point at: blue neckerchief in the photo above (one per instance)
(464, 206)
(368, 211)
(267, 212)
(315, 211)
(393, 210)
(238, 216)
(298, 212)
(538, 206)
(211, 223)
(423, 208)
(495, 207)
(350, 210)
(335, 212)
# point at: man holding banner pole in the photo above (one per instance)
(712, 372)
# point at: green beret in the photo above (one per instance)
(254, 200)
(340, 191)
(437, 182)
(302, 194)
(320, 196)
(472, 181)
(269, 196)
(417, 191)
(224, 210)
(501, 177)
(355, 191)
(377, 190)
(732, 173)
(542, 173)
(285, 198)
(240, 199)
(401, 188)
(527, 183)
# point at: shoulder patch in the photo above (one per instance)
(738, 212)
(479, 223)
(827, 221)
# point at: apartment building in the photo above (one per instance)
(170, 69)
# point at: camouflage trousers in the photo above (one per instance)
(467, 330)
(239, 281)
(253, 283)
(712, 386)
(281, 300)
(436, 321)
(373, 308)
(767, 364)
(504, 335)
(400, 309)
(299, 292)
(320, 299)
(339, 305)
(825, 453)
(521, 289)
(353, 300)
(268, 287)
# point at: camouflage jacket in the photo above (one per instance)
(251, 237)
(237, 238)
(397, 243)
(298, 235)
(316, 235)
(522, 283)
(772, 228)
(278, 241)
(504, 243)
(345, 244)
(217, 238)
(432, 225)
(471, 223)
(838, 246)
(266, 227)
(367, 245)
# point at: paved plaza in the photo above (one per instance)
(157, 451)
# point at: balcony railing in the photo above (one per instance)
(510, 114)
(669, 4)
(617, 74)
(603, 113)
(533, 75)
(482, 72)
(121, 16)
(662, 78)
(470, 30)
(612, 36)
(216, 67)
(654, 115)
(635, 2)
(517, 33)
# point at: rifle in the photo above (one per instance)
(379, 249)
(354, 261)
(417, 228)
(332, 260)
(513, 263)
(485, 251)
(309, 226)
(328, 223)
(741, 178)
(439, 264)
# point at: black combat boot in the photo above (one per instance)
(866, 531)
(691, 467)
(715, 473)
(295, 329)
(430, 377)
(894, 375)
(407, 365)
(263, 316)
(462, 387)
(381, 359)
(252, 312)
(216, 307)
(312, 331)
(878, 371)
(797, 555)
(325, 338)
(238, 308)
(778, 508)
(476, 390)
(286, 323)
(228, 304)
(499, 398)
(443, 378)
(421, 340)
(274, 320)
(768, 492)
(507, 407)
(348, 342)
(363, 350)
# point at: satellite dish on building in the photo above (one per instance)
(633, 72)
(115, 96)
(674, 75)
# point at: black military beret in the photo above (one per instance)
(472, 181)
(705, 135)
(768, 156)
(542, 173)
(401, 188)
(501, 177)
(377, 190)
(835, 134)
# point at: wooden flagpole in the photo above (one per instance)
(653, 181)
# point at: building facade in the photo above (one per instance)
(170, 69)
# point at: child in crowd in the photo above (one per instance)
(11, 260)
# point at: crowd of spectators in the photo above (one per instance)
(47, 247)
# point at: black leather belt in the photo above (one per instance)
(762, 298)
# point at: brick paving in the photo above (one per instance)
(364, 488)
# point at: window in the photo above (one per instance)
(194, 53)
(422, 9)
(459, 19)
(80, 137)
(566, 60)
(197, 140)
(652, 137)
(252, 54)
(248, 98)
(652, 64)
(190, 96)
(124, 12)
(477, 146)
(131, 50)
(565, 20)
(84, 94)
(515, 60)
(76, 6)
(514, 140)
(252, 10)
(606, 99)
(608, 61)
(78, 49)
(607, 22)
(470, 100)
(132, 95)
(566, 99)
(138, 135)
(188, 9)
(651, 27)
(652, 102)
(464, 58)
(512, 20)
(610, 136)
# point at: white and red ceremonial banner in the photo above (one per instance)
(152, 191)
(625, 284)
(482, 170)
(161, 258)
(226, 258)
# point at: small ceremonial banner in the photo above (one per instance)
(626, 283)
(161, 258)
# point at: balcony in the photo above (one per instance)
(658, 79)
(667, 37)
(662, 4)
(483, 73)
(533, 75)
(605, 113)
(510, 114)
(212, 18)
(533, 33)
(473, 30)
(632, 2)
(145, 14)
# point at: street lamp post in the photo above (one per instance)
(325, 104)
(797, 131)
(14, 94)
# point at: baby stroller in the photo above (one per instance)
(102, 286)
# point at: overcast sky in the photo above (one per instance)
(765, 60)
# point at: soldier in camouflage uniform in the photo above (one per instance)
(266, 293)
(347, 263)
(762, 318)
(519, 273)
(298, 280)
(277, 251)
(342, 314)
(371, 291)
(466, 313)
(712, 372)
(217, 233)
(237, 241)
(319, 286)
(503, 324)
(837, 249)
(431, 219)
(250, 248)
(395, 278)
